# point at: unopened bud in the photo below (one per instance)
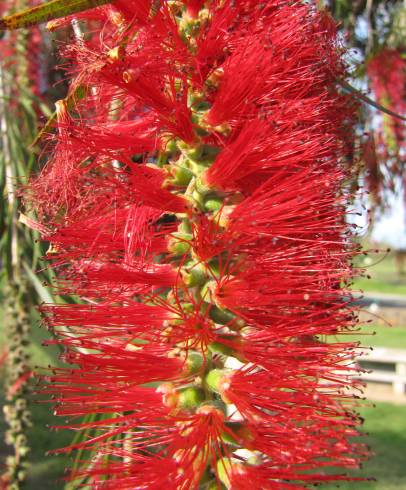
(194, 275)
(190, 397)
(194, 362)
(218, 380)
(179, 243)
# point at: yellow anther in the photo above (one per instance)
(116, 53)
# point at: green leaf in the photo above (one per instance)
(41, 290)
(48, 11)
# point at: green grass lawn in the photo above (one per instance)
(377, 336)
(46, 471)
(384, 276)
(386, 425)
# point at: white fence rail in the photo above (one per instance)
(385, 366)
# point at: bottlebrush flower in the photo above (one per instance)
(384, 148)
(387, 73)
(196, 202)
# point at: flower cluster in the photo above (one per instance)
(384, 149)
(195, 202)
(387, 73)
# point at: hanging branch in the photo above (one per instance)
(368, 100)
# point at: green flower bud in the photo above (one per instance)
(221, 316)
(185, 227)
(191, 397)
(213, 204)
(194, 274)
(181, 176)
(171, 146)
(218, 348)
(201, 187)
(239, 431)
(216, 378)
(194, 362)
(228, 350)
(179, 243)
(193, 152)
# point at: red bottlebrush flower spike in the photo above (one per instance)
(387, 73)
(196, 203)
(384, 148)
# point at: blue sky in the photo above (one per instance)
(390, 227)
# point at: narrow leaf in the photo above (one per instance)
(41, 290)
(48, 11)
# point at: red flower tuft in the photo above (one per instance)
(387, 73)
(196, 204)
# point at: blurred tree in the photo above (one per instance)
(376, 29)
(23, 85)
